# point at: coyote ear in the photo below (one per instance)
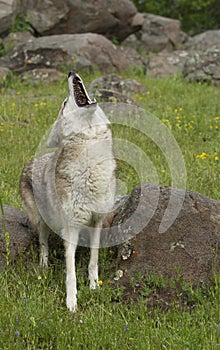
(64, 103)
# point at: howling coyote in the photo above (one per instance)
(71, 186)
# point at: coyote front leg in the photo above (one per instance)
(44, 232)
(94, 254)
(71, 239)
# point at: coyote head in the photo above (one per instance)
(78, 114)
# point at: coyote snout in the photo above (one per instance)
(73, 185)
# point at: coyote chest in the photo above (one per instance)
(84, 177)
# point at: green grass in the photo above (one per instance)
(33, 316)
(32, 305)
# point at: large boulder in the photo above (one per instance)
(167, 63)
(114, 82)
(113, 88)
(73, 51)
(203, 66)
(39, 75)
(158, 33)
(198, 66)
(14, 39)
(189, 249)
(46, 15)
(112, 19)
(203, 41)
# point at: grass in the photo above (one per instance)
(32, 305)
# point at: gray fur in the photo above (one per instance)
(73, 186)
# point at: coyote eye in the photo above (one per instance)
(64, 102)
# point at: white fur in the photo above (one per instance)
(73, 186)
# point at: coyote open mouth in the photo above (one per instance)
(81, 96)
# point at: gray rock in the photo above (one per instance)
(158, 33)
(131, 56)
(167, 63)
(104, 95)
(20, 233)
(45, 16)
(133, 42)
(113, 88)
(203, 66)
(117, 83)
(203, 41)
(17, 38)
(8, 10)
(191, 245)
(37, 75)
(194, 65)
(75, 51)
(112, 19)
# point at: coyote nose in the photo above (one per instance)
(71, 74)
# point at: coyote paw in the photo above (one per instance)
(93, 285)
(71, 304)
(44, 262)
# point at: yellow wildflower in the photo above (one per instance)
(202, 156)
(42, 103)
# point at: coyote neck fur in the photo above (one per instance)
(85, 169)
